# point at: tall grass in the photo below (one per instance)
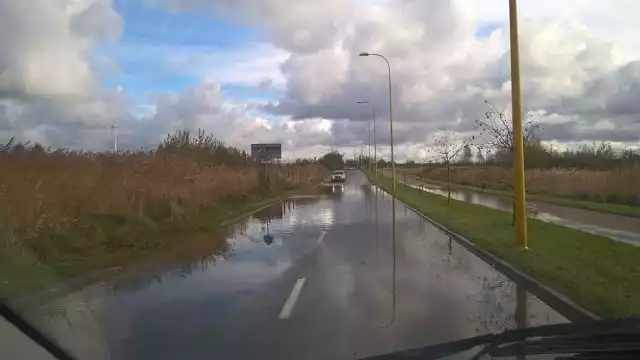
(77, 211)
(55, 188)
(617, 186)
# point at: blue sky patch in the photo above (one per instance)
(164, 51)
(485, 30)
(148, 25)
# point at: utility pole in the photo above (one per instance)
(520, 210)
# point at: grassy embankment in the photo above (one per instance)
(601, 274)
(68, 214)
(613, 191)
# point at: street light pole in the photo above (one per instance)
(369, 148)
(375, 144)
(393, 163)
(518, 160)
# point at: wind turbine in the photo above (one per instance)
(114, 133)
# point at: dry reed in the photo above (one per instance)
(54, 189)
(614, 186)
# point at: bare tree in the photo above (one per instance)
(479, 156)
(448, 147)
(496, 131)
(467, 155)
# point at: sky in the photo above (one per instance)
(288, 71)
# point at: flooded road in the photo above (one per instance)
(622, 228)
(310, 278)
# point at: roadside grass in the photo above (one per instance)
(67, 214)
(55, 189)
(618, 209)
(600, 274)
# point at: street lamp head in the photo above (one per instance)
(364, 54)
(362, 102)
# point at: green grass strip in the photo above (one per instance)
(618, 209)
(600, 274)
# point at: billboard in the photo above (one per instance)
(266, 152)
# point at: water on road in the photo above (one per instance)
(617, 227)
(332, 276)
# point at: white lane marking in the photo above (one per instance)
(322, 237)
(287, 309)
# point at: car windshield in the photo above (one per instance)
(300, 179)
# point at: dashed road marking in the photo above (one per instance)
(287, 309)
(322, 237)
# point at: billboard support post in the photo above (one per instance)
(266, 153)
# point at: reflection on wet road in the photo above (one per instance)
(617, 227)
(348, 285)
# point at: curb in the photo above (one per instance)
(269, 204)
(249, 213)
(559, 302)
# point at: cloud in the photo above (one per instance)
(614, 20)
(75, 122)
(579, 62)
(442, 71)
(430, 89)
(48, 89)
(204, 106)
(46, 45)
(302, 25)
(265, 84)
(246, 64)
(310, 80)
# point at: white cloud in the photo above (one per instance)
(579, 67)
(48, 89)
(247, 64)
(302, 25)
(615, 20)
(46, 45)
(203, 106)
(442, 72)
(310, 80)
(74, 122)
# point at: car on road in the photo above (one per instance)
(338, 176)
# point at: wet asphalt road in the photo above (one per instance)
(617, 227)
(331, 281)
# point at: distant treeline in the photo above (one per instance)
(597, 156)
(200, 146)
(588, 156)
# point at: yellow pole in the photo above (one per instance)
(518, 159)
